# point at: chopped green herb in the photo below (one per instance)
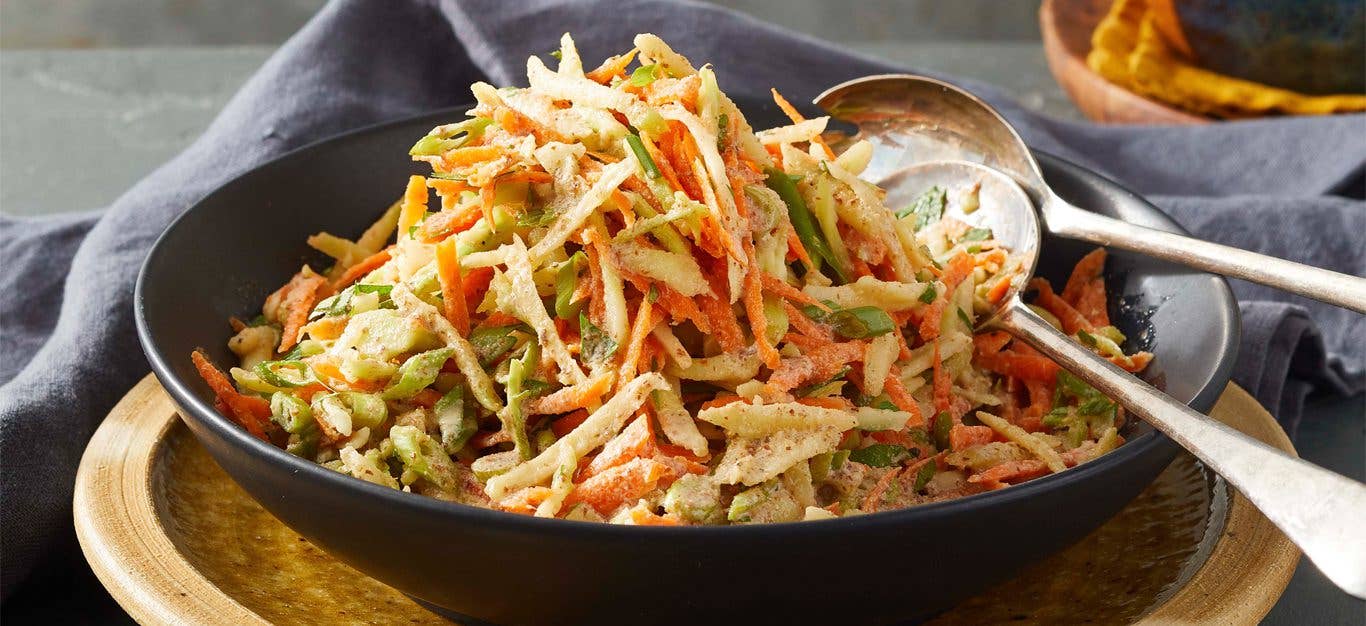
(942, 425)
(492, 342)
(454, 424)
(861, 322)
(557, 54)
(802, 221)
(596, 344)
(449, 137)
(880, 455)
(638, 147)
(646, 74)
(537, 217)
(813, 388)
(722, 128)
(929, 294)
(270, 372)
(977, 234)
(927, 209)
(652, 296)
(962, 315)
(566, 281)
(1086, 338)
(923, 476)
(419, 371)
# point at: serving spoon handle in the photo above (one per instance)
(1065, 220)
(1322, 512)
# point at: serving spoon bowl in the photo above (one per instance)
(961, 141)
(914, 119)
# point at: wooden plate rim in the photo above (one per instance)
(130, 551)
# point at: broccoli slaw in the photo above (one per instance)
(628, 306)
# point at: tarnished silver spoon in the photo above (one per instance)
(914, 119)
(1322, 512)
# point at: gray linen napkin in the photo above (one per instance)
(69, 349)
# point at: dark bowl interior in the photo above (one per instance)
(227, 252)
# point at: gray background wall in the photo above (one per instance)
(141, 23)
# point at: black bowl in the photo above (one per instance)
(227, 252)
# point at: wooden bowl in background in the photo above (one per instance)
(1067, 26)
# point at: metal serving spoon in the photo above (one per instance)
(1322, 512)
(914, 119)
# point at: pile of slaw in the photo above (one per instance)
(626, 305)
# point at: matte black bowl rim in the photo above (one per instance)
(423, 505)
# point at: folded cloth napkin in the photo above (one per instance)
(1273, 186)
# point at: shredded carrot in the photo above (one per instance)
(452, 290)
(724, 325)
(1071, 319)
(873, 500)
(721, 400)
(525, 176)
(1133, 362)
(569, 398)
(476, 284)
(790, 374)
(618, 485)
(958, 269)
(796, 117)
(565, 425)
(251, 412)
(780, 287)
(642, 517)
(414, 205)
(359, 270)
(990, 342)
(962, 436)
(943, 384)
(796, 249)
(489, 438)
(612, 68)
(754, 309)
(487, 193)
(427, 398)
(450, 222)
(1018, 365)
(904, 349)
(1002, 475)
(665, 166)
(446, 187)
(297, 300)
(469, 155)
(998, 291)
(326, 328)
(1092, 303)
(1086, 270)
(635, 441)
(525, 500)
(805, 325)
(644, 323)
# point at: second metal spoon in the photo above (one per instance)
(1322, 512)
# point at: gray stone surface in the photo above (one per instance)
(118, 23)
(81, 126)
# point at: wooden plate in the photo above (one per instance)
(1066, 26)
(176, 541)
